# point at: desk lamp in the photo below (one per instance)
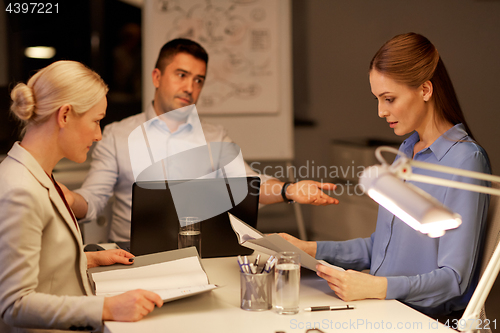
(383, 183)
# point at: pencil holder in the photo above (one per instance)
(256, 291)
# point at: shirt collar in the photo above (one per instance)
(442, 144)
(152, 119)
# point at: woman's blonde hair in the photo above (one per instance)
(62, 82)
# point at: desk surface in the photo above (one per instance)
(219, 311)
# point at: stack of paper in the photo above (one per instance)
(271, 244)
(171, 280)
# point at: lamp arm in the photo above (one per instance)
(449, 183)
(455, 171)
(472, 312)
(405, 161)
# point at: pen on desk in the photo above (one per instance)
(330, 308)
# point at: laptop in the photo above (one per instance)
(155, 219)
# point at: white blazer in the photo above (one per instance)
(43, 274)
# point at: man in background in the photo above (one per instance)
(178, 77)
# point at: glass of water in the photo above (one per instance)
(189, 233)
(286, 283)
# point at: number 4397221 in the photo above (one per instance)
(32, 8)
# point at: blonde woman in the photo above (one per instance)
(43, 280)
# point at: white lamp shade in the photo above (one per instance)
(409, 203)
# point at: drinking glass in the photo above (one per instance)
(189, 233)
(286, 283)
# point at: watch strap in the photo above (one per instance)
(283, 192)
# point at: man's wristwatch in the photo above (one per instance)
(283, 192)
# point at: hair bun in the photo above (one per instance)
(23, 101)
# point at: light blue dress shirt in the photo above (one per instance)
(433, 275)
(111, 171)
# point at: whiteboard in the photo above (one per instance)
(248, 88)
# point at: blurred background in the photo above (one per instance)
(335, 114)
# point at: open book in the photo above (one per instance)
(172, 275)
(271, 244)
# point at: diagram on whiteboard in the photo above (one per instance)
(241, 38)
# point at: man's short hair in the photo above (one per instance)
(180, 45)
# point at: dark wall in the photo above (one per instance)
(333, 44)
(102, 34)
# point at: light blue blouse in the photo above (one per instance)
(433, 275)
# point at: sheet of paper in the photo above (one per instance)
(278, 244)
(243, 230)
(181, 273)
(270, 244)
(175, 293)
(172, 294)
(327, 264)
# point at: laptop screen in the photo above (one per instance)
(157, 206)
